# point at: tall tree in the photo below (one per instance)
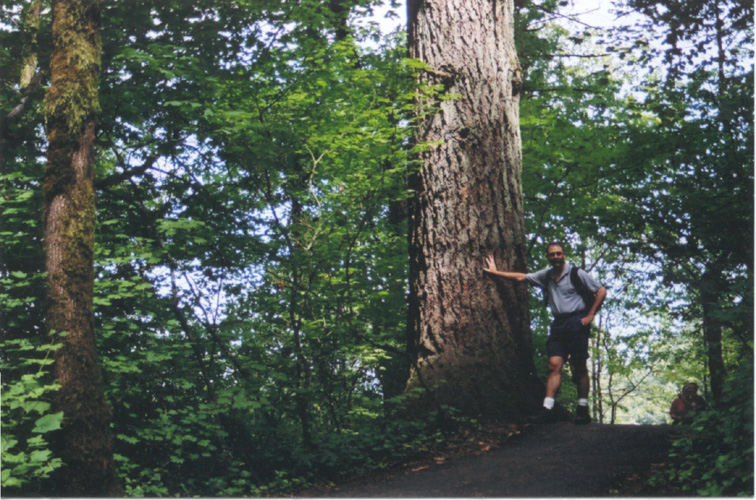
(470, 335)
(71, 102)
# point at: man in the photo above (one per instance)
(687, 403)
(569, 332)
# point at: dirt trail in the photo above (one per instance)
(557, 460)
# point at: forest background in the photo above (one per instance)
(251, 234)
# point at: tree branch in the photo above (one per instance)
(34, 84)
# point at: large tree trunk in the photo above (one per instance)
(470, 333)
(84, 442)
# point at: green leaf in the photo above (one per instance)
(36, 406)
(39, 455)
(7, 444)
(128, 439)
(48, 423)
(7, 480)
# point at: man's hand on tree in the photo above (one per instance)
(491, 264)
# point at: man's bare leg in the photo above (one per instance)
(555, 376)
(582, 380)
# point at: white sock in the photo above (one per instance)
(583, 402)
(548, 403)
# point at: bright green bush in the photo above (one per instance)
(26, 353)
(26, 414)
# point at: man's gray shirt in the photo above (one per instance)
(563, 298)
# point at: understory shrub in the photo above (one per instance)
(713, 456)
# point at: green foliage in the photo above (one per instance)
(27, 415)
(247, 259)
(251, 241)
(26, 354)
(713, 456)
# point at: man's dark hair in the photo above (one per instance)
(555, 243)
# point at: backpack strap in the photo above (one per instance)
(582, 290)
(546, 289)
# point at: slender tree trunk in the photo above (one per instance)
(470, 332)
(84, 442)
(29, 65)
(303, 365)
(396, 370)
(712, 331)
(736, 162)
(597, 368)
(612, 402)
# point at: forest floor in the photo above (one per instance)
(554, 460)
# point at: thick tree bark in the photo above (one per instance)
(84, 441)
(470, 332)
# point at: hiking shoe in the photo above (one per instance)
(544, 416)
(582, 417)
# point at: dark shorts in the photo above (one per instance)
(568, 338)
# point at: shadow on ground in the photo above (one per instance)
(557, 460)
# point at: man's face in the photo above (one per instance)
(555, 254)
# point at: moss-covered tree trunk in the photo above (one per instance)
(71, 103)
(471, 333)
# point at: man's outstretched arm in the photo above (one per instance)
(491, 269)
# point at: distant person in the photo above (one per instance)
(574, 296)
(686, 404)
